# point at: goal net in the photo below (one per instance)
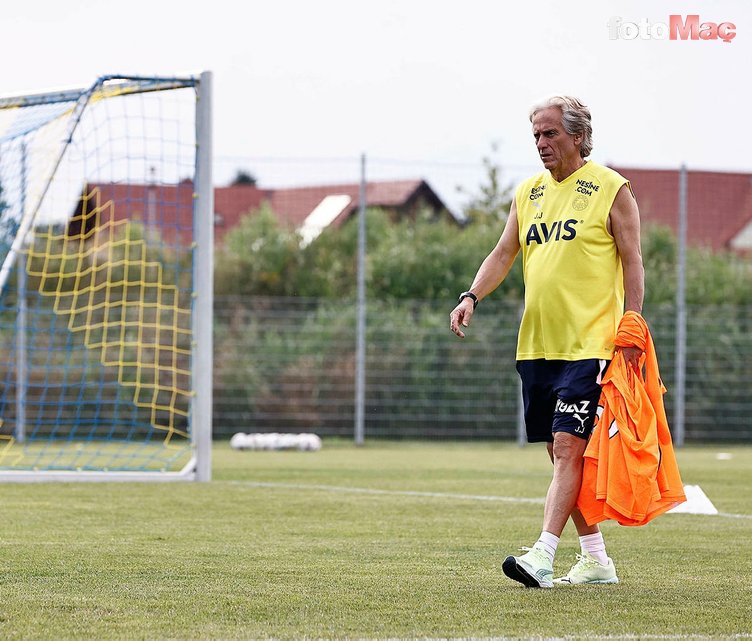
(106, 237)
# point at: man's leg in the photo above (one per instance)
(535, 569)
(566, 403)
(583, 529)
(561, 499)
(539, 381)
(593, 565)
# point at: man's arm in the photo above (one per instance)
(491, 274)
(624, 222)
(625, 227)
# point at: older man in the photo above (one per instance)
(578, 226)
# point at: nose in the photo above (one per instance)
(541, 143)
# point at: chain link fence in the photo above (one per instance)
(288, 365)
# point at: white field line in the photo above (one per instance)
(413, 493)
(735, 516)
(372, 491)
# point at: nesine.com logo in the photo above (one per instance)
(678, 28)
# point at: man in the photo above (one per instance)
(578, 226)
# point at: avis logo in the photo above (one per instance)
(541, 233)
(678, 28)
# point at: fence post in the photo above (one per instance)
(21, 320)
(680, 363)
(203, 270)
(521, 431)
(360, 348)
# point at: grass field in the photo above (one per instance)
(96, 455)
(386, 541)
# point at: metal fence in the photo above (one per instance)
(288, 365)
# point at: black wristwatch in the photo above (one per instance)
(465, 295)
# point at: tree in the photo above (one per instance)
(7, 224)
(493, 198)
(259, 257)
(243, 177)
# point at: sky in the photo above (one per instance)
(411, 80)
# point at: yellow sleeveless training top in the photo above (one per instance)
(574, 288)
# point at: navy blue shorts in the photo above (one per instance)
(560, 396)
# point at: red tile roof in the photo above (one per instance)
(294, 204)
(719, 204)
(172, 205)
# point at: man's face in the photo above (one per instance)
(556, 148)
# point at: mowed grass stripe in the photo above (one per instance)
(625, 637)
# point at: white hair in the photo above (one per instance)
(575, 117)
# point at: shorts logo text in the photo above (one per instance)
(577, 410)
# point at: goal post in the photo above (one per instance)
(106, 281)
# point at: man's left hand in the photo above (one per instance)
(632, 356)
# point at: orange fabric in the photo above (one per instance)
(630, 472)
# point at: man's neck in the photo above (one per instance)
(565, 172)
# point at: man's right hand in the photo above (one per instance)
(461, 315)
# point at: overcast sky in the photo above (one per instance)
(430, 80)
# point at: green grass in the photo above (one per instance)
(96, 455)
(305, 557)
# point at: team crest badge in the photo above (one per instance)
(580, 202)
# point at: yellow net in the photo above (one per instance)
(101, 278)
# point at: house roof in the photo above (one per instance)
(173, 204)
(298, 202)
(719, 204)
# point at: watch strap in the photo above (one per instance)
(465, 295)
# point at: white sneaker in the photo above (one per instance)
(533, 569)
(589, 570)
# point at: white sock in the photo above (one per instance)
(595, 546)
(548, 543)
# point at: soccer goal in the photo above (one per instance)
(106, 245)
